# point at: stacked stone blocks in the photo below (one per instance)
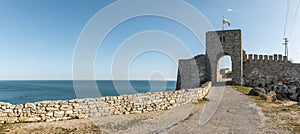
(103, 106)
(275, 57)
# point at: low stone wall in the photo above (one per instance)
(111, 105)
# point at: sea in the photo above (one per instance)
(22, 91)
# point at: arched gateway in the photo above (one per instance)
(193, 72)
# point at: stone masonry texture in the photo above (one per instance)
(111, 105)
(272, 72)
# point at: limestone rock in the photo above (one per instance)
(3, 114)
(136, 112)
(271, 97)
(66, 107)
(80, 116)
(30, 105)
(59, 114)
(23, 119)
(8, 111)
(50, 114)
(4, 104)
(257, 91)
(69, 112)
(51, 109)
(12, 120)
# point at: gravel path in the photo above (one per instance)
(235, 114)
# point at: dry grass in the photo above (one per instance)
(280, 114)
(243, 89)
(3, 128)
(286, 117)
(79, 126)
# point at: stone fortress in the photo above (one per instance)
(272, 72)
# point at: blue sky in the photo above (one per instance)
(38, 38)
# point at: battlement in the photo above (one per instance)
(256, 57)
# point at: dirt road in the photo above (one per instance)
(234, 114)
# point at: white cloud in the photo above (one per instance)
(229, 10)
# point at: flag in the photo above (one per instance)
(226, 22)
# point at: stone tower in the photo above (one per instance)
(222, 43)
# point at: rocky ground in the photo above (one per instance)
(284, 115)
(281, 113)
(236, 113)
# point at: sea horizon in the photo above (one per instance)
(22, 91)
(82, 80)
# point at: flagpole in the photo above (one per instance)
(222, 23)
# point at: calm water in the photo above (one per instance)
(17, 92)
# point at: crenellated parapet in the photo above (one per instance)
(256, 57)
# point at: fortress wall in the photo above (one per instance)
(111, 105)
(192, 72)
(274, 73)
(256, 57)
